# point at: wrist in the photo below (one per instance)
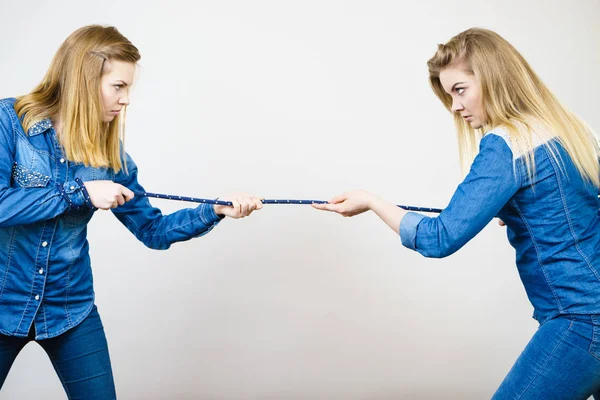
(372, 201)
(218, 210)
(86, 195)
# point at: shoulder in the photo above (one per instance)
(9, 121)
(497, 136)
(497, 140)
(527, 138)
(7, 110)
(128, 169)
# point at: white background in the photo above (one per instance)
(302, 99)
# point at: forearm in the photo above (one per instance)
(22, 206)
(389, 213)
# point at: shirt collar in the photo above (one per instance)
(40, 127)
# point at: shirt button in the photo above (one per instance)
(37, 296)
(41, 271)
(72, 187)
(44, 244)
(62, 160)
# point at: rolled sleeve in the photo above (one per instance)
(491, 182)
(408, 229)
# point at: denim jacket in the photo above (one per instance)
(553, 223)
(45, 270)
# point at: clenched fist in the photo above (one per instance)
(107, 194)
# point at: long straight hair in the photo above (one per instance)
(515, 98)
(70, 92)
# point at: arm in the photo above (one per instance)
(356, 202)
(22, 206)
(490, 184)
(150, 226)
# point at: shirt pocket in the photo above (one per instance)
(32, 168)
(29, 178)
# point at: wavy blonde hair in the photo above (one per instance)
(70, 92)
(513, 97)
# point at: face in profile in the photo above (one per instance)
(466, 96)
(115, 83)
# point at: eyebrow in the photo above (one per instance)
(457, 83)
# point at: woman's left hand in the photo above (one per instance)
(243, 205)
(349, 204)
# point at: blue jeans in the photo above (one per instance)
(561, 362)
(79, 356)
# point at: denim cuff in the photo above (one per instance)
(72, 192)
(408, 229)
(208, 215)
(86, 195)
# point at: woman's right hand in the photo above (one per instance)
(107, 194)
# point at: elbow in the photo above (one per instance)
(154, 243)
(442, 250)
(157, 246)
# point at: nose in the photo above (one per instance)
(124, 99)
(456, 106)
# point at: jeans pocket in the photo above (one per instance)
(595, 345)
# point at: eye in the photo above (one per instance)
(118, 87)
(460, 90)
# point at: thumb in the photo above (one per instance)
(339, 199)
(128, 194)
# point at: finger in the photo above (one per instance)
(501, 223)
(327, 207)
(237, 208)
(252, 205)
(322, 206)
(120, 200)
(250, 202)
(244, 206)
(258, 202)
(128, 194)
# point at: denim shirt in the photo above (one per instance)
(553, 225)
(45, 269)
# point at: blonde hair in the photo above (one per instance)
(513, 97)
(70, 91)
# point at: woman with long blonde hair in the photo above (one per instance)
(61, 159)
(534, 164)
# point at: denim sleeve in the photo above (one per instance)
(150, 226)
(22, 206)
(489, 185)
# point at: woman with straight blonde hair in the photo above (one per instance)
(534, 164)
(61, 159)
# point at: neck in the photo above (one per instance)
(57, 123)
